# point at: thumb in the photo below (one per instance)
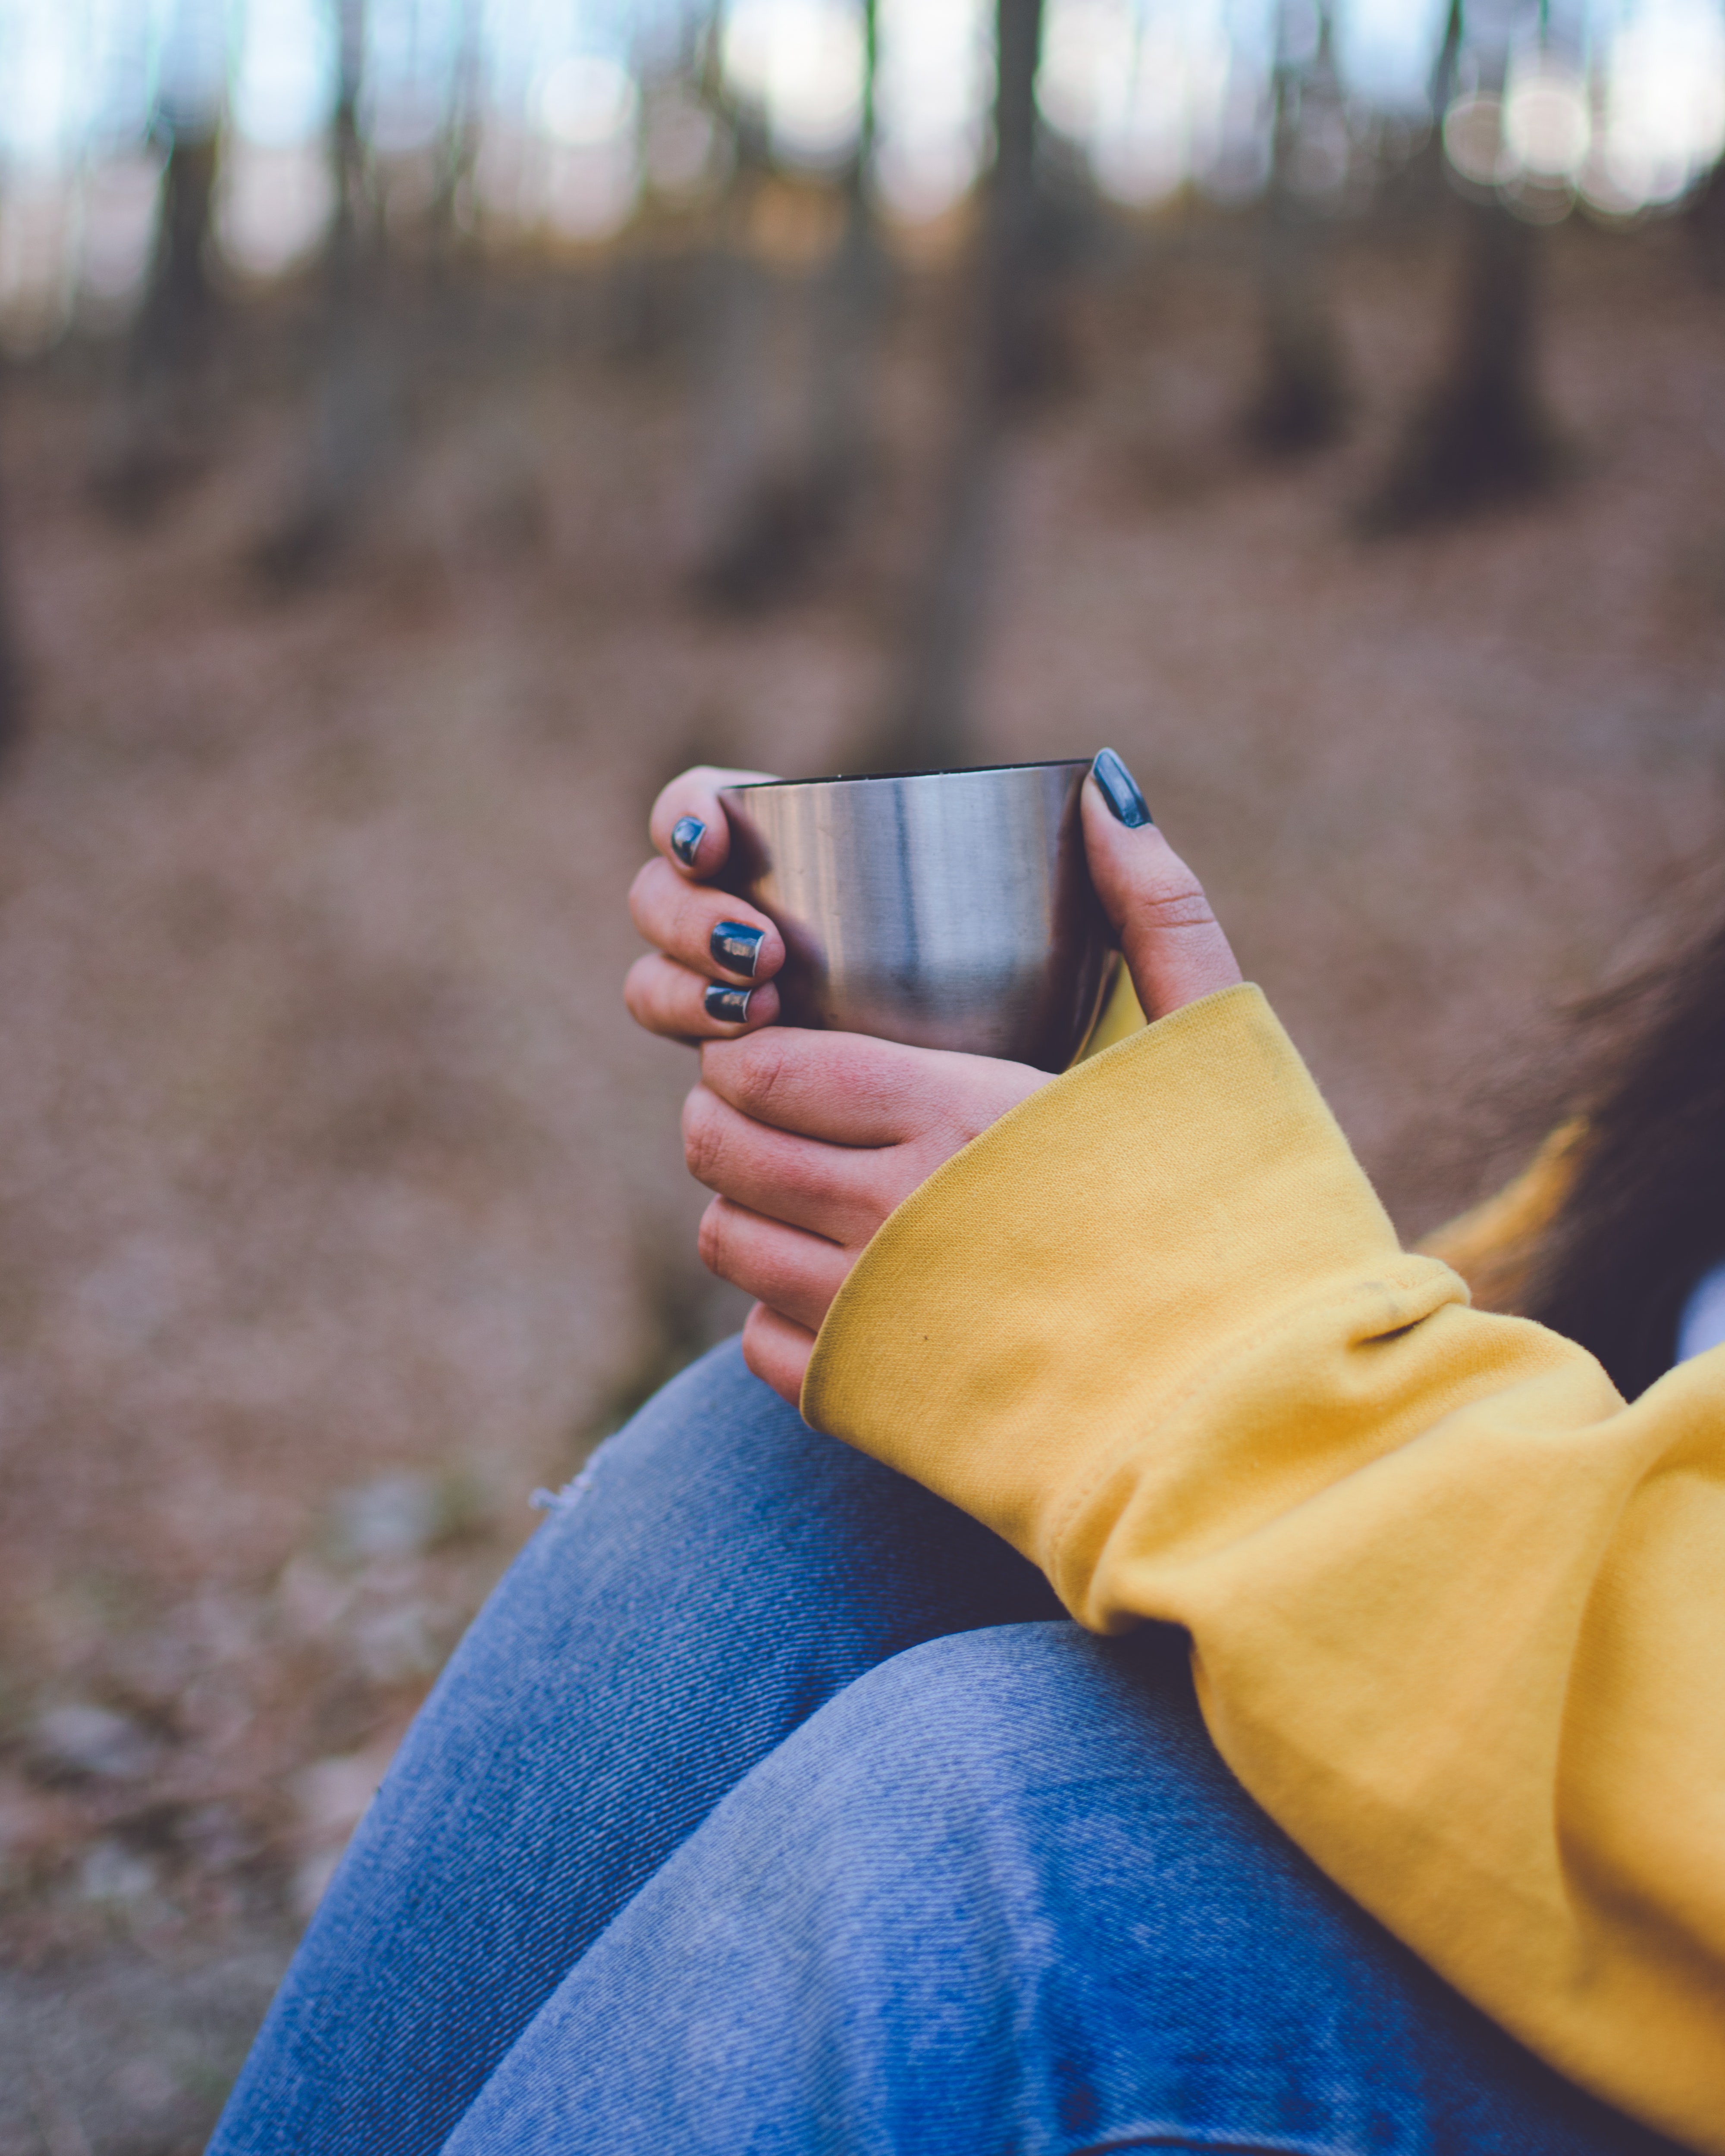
(1175, 950)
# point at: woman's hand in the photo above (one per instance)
(711, 976)
(809, 1140)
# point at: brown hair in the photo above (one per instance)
(1645, 1216)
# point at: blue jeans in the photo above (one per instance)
(773, 1805)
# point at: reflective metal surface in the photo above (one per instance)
(947, 909)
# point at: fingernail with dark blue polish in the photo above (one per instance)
(686, 835)
(737, 946)
(730, 1006)
(1120, 790)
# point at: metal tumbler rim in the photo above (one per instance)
(938, 771)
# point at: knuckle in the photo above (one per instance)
(762, 1072)
(1183, 910)
(641, 993)
(1173, 897)
(703, 1143)
(641, 895)
(713, 1237)
(758, 1354)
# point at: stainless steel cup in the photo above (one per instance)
(946, 909)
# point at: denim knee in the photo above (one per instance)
(995, 1710)
(1037, 1817)
(1001, 1894)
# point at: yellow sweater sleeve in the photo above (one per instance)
(1457, 1614)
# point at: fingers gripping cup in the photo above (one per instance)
(944, 909)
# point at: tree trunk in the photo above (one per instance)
(1420, 192)
(354, 421)
(1301, 400)
(156, 433)
(1447, 65)
(743, 530)
(1705, 219)
(174, 319)
(847, 326)
(1009, 356)
(1482, 437)
(774, 513)
(1020, 356)
(14, 685)
(457, 149)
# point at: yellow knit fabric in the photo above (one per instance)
(1457, 1614)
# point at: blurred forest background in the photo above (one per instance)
(427, 424)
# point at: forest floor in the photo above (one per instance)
(339, 1204)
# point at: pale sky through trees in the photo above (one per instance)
(578, 106)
